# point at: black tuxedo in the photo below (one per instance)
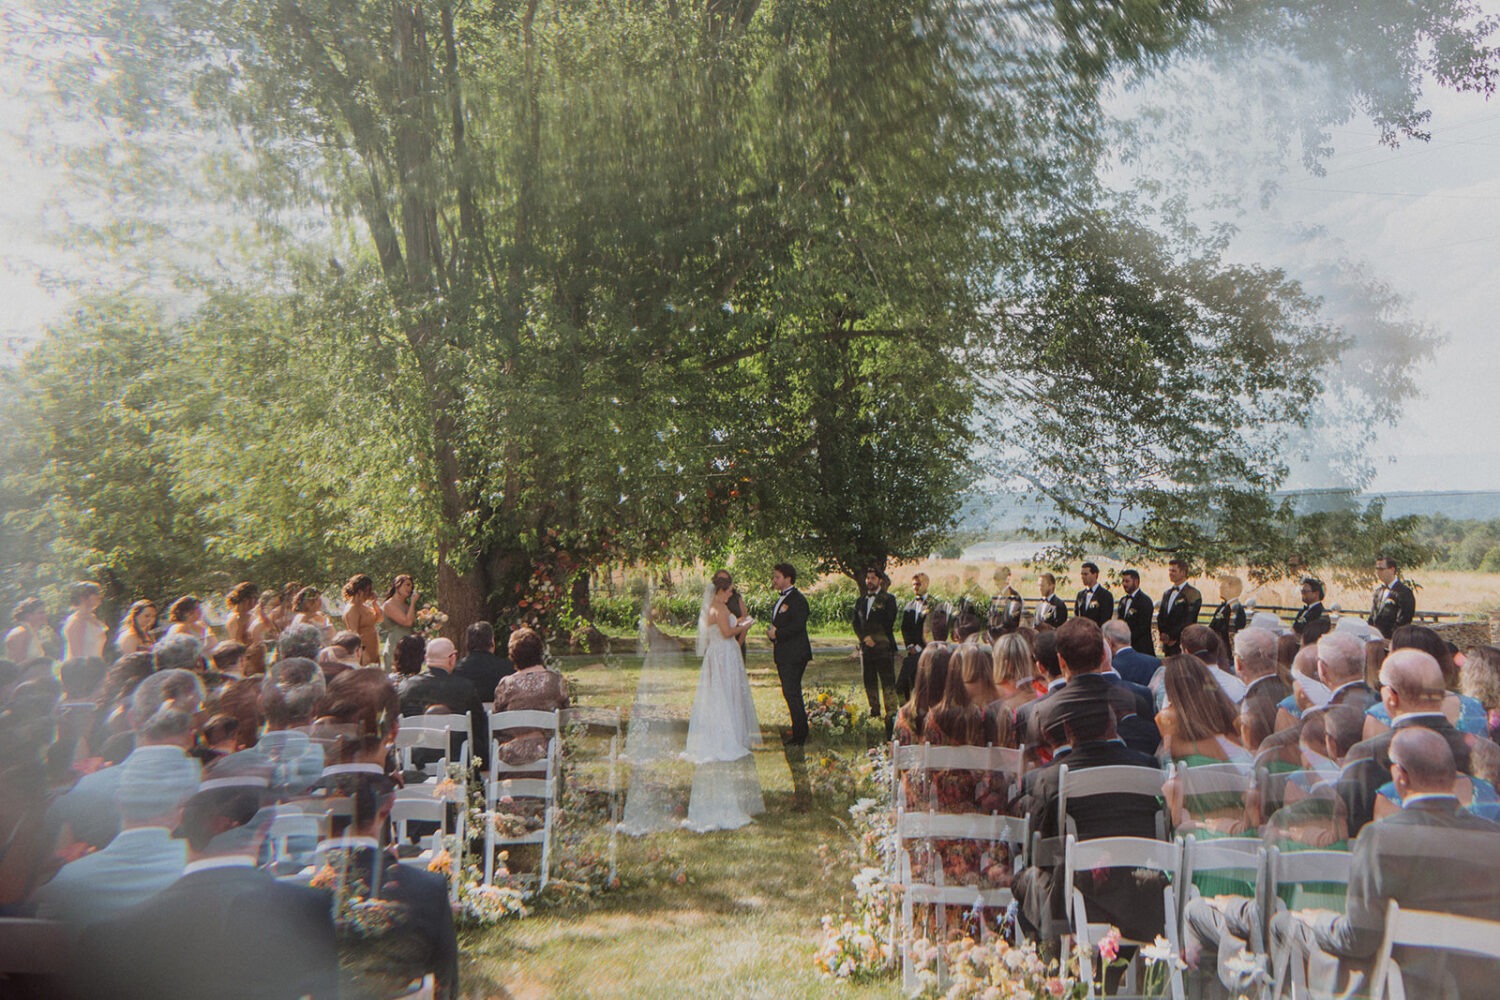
(1368, 764)
(874, 618)
(1113, 895)
(1229, 618)
(1429, 856)
(1095, 603)
(225, 933)
(792, 651)
(1395, 610)
(1183, 612)
(1135, 611)
(1309, 613)
(1051, 610)
(913, 638)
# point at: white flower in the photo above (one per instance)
(1159, 950)
(1243, 964)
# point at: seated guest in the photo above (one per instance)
(289, 693)
(1114, 896)
(1411, 686)
(357, 721)
(931, 681)
(532, 686)
(438, 689)
(1255, 664)
(1014, 663)
(1129, 663)
(482, 667)
(299, 641)
(225, 929)
(1480, 680)
(1199, 727)
(141, 860)
(1047, 678)
(418, 938)
(1394, 860)
(407, 657)
(163, 711)
(1080, 653)
(955, 720)
(1202, 642)
(229, 659)
(341, 654)
(1341, 668)
(1467, 713)
(178, 651)
(1307, 690)
(976, 665)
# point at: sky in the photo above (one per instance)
(1424, 217)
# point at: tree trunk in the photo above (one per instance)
(579, 593)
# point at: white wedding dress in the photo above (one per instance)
(722, 731)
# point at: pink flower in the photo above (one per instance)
(1055, 986)
(1109, 947)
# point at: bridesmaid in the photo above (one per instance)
(83, 632)
(308, 605)
(137, 632)
(362, 616)
(244, 606)
(24, 642)
(186, 616)
(400, 613)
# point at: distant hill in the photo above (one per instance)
(1007, 512)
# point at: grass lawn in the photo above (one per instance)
(745, 923)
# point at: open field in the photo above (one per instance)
(746, 921)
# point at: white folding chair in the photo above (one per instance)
(293, 832)
(517, 719)
(1119, 852)
(1425, 929)
(1222, 781)
(926, 827)
(1112, 780)
(433, 732)
(1298, 869)
(1239, 858)
(541, 790)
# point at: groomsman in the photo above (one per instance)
(1312, 604)
(1094, 602)
(1051, 609)
(1134, 610)
(913, 635)
(1180, 606)
(874, 622)
(1394, 605)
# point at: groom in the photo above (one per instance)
(789, 647)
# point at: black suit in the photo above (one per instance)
(1051, 610)
(792, 651)
(913, 637)
(426, 934)
(1392, 607)
(483, 669)
(439, 687)
(1368, 764)
(874, 618)
(1095, 603)
(1113, 895)
(223, 933)
(1135, 611)
(1133, 706)
(1229, 618)
(1309, 613)
(1182, 613)
(1429, 856)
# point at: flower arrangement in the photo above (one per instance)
(851, 949)
(834, 713)
(992, 970)
(429, 623)
(486, 905)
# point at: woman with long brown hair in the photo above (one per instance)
(239, 627)
(399, 612)
(137, 629)
(927, 691)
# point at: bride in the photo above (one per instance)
(723, 727)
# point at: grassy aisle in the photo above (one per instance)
(744, 924)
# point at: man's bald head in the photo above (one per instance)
(1306, 661)
(1117, 633)
(1416, 678)
(1426, 759)
(1342, 658)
